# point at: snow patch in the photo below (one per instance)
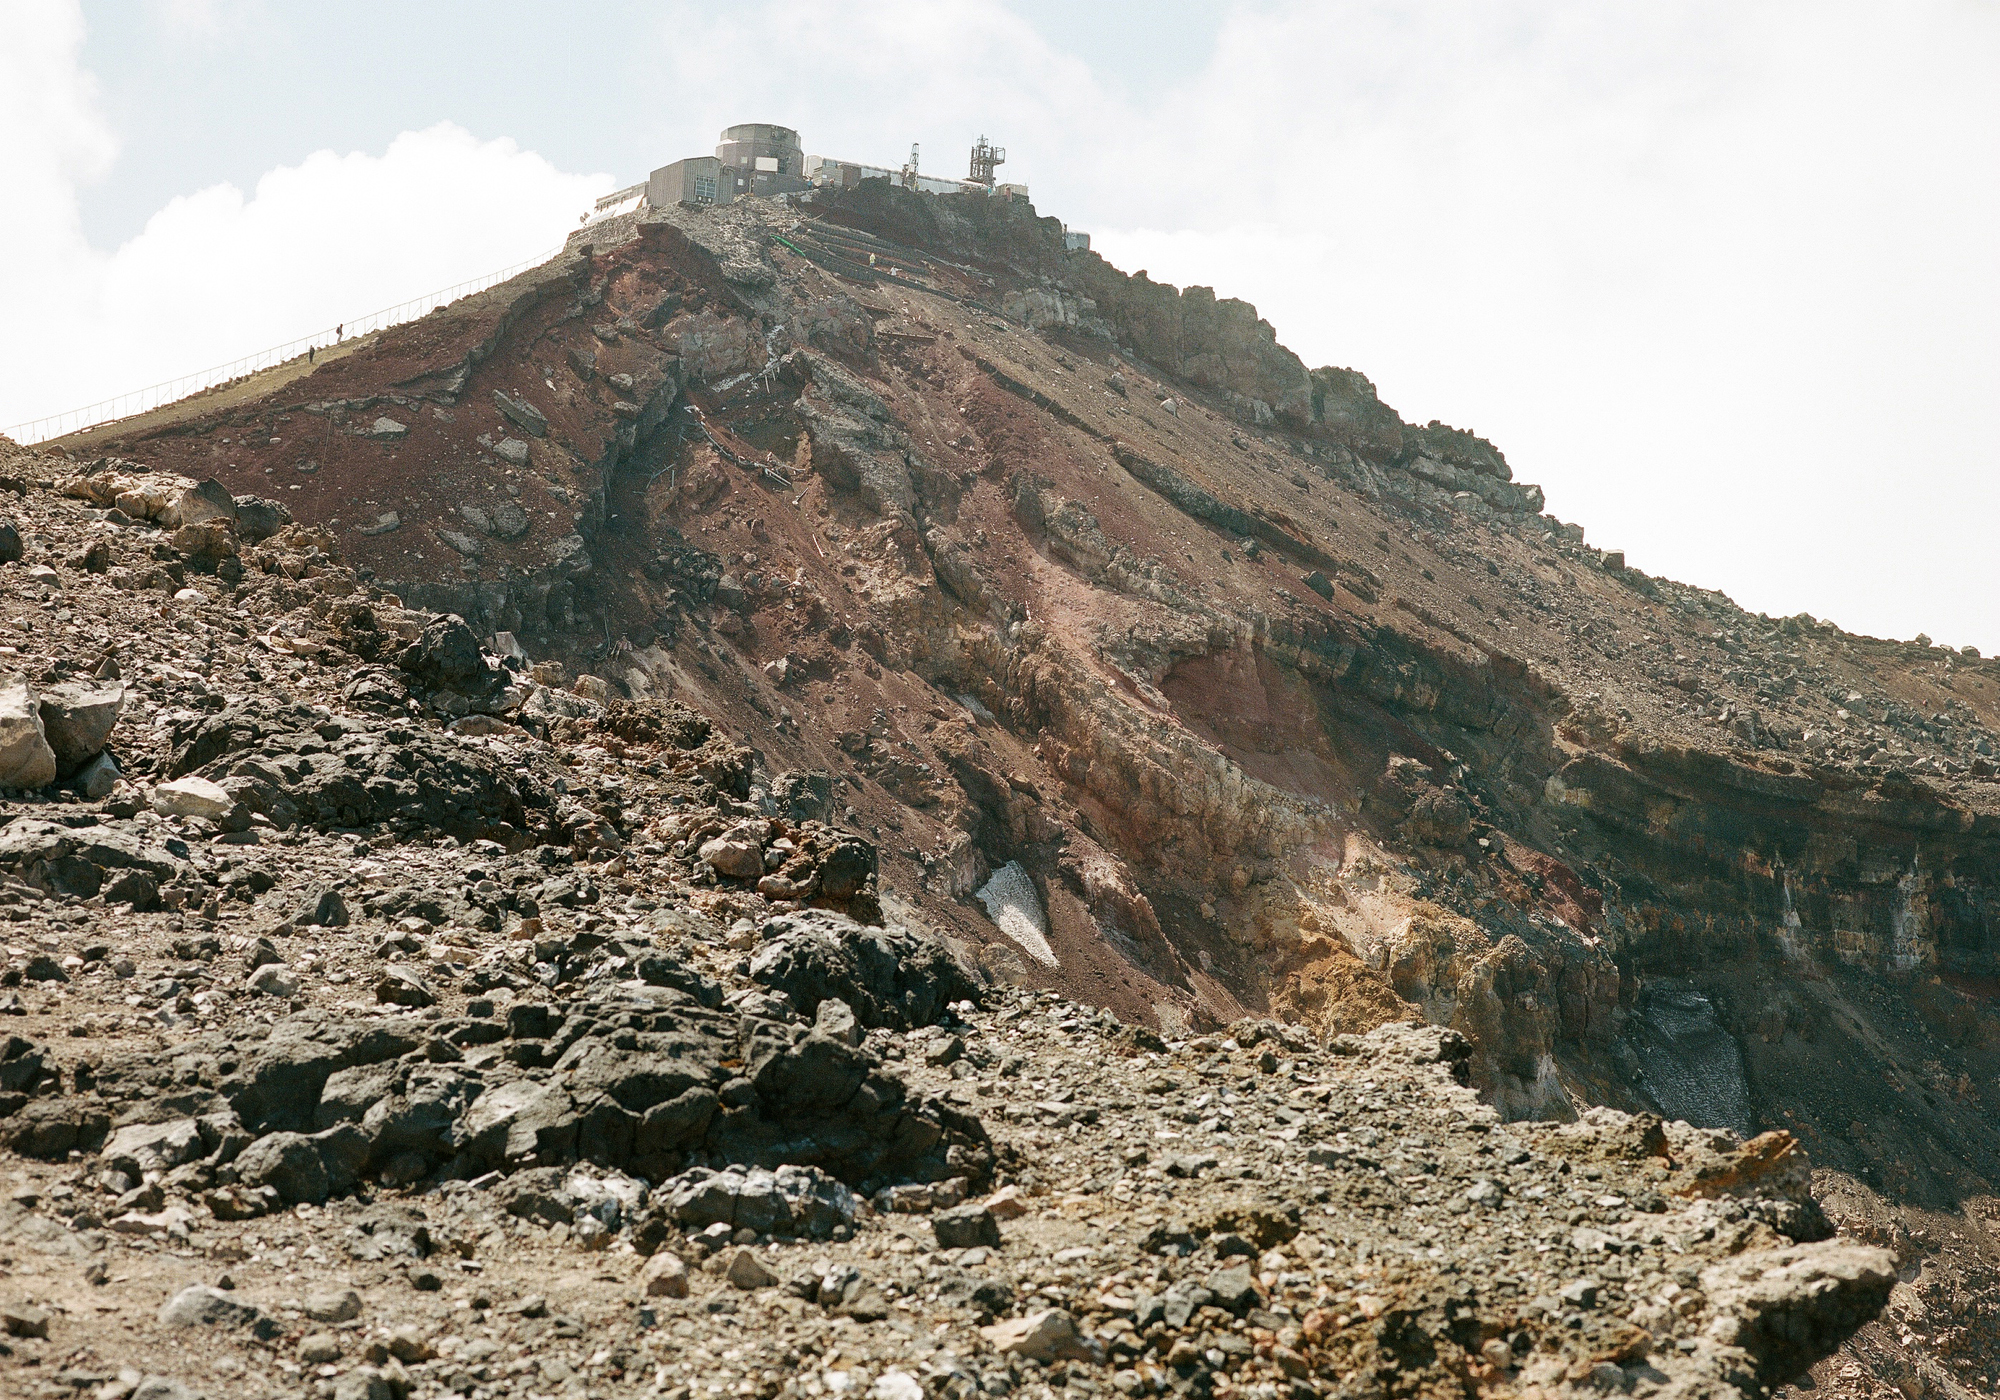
(1012, 904)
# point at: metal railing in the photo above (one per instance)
(167, 391)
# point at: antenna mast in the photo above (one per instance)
(910, 170)
(986, 156)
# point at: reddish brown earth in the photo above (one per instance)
(1284, 705)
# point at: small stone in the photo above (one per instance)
(192, 797)
(524, 414)
(274, 980)
(407, 1343)
(835, 1019)
(746, 1271)
(387, 428)
(1006, 1204)
(510, 522)
(1582, 1293)
(665, 1276)
(96, 779)
(198, 1305)
(23, 1320)
(161, 1388)
(734, 856)
(363, 1383)
(966, 1227)
(333, 1305)
(318, 1348)
(896, 1385)
(1045, 1336)
(1235, 1289)
(512, 450)
(401, 986)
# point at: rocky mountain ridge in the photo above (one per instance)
(1153, 668)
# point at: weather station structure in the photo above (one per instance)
(986, 158)
(765, 160)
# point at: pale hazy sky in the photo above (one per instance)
(1723, 277)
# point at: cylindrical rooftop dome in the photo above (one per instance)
(762, 146)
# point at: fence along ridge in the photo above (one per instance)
(218, 376)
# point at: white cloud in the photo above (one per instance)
(1720, 277)
(218, 274)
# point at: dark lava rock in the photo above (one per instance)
(963, 1227)
(258, 518)
(295, 766)
(445, 655)
(788, 1201)
(890, 977)
(73, 861)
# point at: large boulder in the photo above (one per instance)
(1790, 1307)
(154, 1147)
(259, 518)
(447, 654)
(204, 501)
(890, 977)
(77, 717)
(281, 1079)
(51, 1128)
(26, 759)
(307, 1167)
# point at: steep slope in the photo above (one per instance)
(1279, 704)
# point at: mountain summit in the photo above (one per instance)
(877, 574)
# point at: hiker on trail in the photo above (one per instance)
(309, 354)
(340, 331)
